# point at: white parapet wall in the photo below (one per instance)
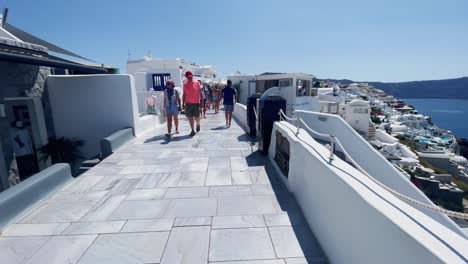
(92, 107)
(240, 115)
(148, 123)
(383, 137)
(247, 85)
(371, 160)
(354, 219)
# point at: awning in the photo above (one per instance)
(26, 56)
(26, 37)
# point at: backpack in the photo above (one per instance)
(170, 94)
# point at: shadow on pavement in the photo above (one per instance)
(220, 128)
(288, 205)
(155, 138)
(180, 138)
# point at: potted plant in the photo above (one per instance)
(64, 150)
(237, 87)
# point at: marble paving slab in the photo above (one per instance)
(211, 198)
(86, 228)
(17, 250)
(62, 249)
(126, 248)
(58, 212)
(187, 245)
(241, 244)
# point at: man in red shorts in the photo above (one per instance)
(191, 100)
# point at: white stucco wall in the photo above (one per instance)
(92, 107)
(383, 137)
(144, 82)
(354, 219)
(244, 86)
(371, 160)
(149, 123)
(358, 115)
(240, 115)
(309, 103)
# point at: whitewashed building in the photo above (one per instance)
(357, 115)
(152, 73)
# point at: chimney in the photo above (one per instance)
(4, 17)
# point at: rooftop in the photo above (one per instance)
(211, 198)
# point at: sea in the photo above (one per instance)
(450, 114)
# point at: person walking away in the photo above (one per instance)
(201, 98)
(172, 107)
(229, 96)
(216, 98)
(204, 99)
(191, 101)
(210, 97)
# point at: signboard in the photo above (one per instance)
(282, 153)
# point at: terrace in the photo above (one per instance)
(212, 198)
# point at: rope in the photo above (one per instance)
(395, 193)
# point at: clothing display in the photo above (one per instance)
(22, 143)
(151, 104)
(24, 152)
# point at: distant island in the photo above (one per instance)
(435, 89)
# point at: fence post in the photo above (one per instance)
(298, 125)
(332, 150)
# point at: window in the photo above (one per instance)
(360, 110)
(285, 83)
(159, 81)
(302, 88)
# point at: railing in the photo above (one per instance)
(299, 121)
(336, 142)
(255, 112)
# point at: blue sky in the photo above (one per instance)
(371, 40)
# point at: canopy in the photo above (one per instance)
(27, 56)
(26, 37)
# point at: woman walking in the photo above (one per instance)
(216, 98)
(204, 100)
(172, 107)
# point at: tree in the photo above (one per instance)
(238, 90)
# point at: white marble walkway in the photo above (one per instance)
(207, 199)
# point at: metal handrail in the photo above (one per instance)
(335, 141)
(298, 123)
(255, 113)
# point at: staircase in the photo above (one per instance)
(372, 131)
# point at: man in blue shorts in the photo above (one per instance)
(229, 96)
